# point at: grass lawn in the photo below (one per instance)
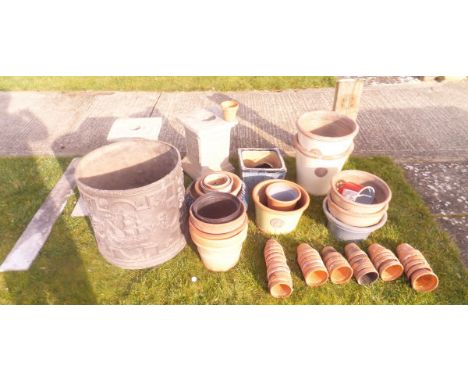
(70, 270)
(167, 84)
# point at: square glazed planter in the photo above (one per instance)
(250, 158)
(208, 139)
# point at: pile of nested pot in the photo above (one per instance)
(332, 265)
(324, 142)
(356, 204)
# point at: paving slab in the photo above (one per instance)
(444, 188)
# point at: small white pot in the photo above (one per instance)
(326, 133)
(315, 173)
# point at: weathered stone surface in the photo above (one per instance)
(147, 128)
(36, 233)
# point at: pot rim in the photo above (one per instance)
(259, 204)
(349, 228)
(130, 191)
(233, 241)
(217, 236)
(358, 215)
(214, 195)
(382, 182)
(319, 114)
(283, 203)
(317, 154)
(244, 168)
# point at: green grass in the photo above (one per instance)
(70, 270)
(167, 84)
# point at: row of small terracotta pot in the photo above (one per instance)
(340, 269)
(351, 220)
(218, 226)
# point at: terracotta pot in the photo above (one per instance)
(282, 196)
(424, 280)
(277, 222)
(385, 261)
(314, 172)
(217, 208)
(383, 193)
(338, 268)
(134, 193)
(355, 219)
(220, 255)
(364, 271)
(313, 269)
(216, 181)
(230, 110)
(326, 132)
(278, 273)
(217, 236)
(218, 228)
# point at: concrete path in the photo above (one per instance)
(423, 125)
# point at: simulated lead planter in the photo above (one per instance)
(208, 139)
(134, 192)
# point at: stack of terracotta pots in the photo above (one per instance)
(312, 266)
(363, 269)
(323, 144)
(385, 262)
(218, 227)
(278, 273)
(279, 204)
(350, 220)
(217, 181)
(417, 269)
(338, 268)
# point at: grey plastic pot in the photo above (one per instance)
(345, 232)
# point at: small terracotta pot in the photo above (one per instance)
(282, 196)
(230, 110)
(217, 208)
(417, 269)
(313, 269)
(278, 273)
(364, 271)
(235, 190)
(355, 219)
(217, 236)
(338, 268)
(216, 181)
(271, 221)
(385, 261)
(383, 193)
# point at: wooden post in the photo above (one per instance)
(348, 96)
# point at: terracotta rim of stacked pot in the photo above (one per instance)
(213, 198)
(351, 205)
(336, 263)
(301, 206)
(282, 203)
(330, 116)
(236, 184)
(239, 238)
(311, 264)
(363, 268)
(217, 236)
(424, 280)
(208, 185)
(385, 261)
(349, 217)
(218, 228)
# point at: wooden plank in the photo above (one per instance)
(348, 96)
(38, 230)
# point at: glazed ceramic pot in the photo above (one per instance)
(134, 193)
(345, 232)
(282, 196)
(417, 269)
(355, 219)
(326, 132)
(271, 221)
(217, 208)
(216, 181)
(278, 273)
(385, 261)
(313, 269)
(230, 110)
(363, 269)
(383, 193)
(220, 255)
(315, 172)
(338, 268)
